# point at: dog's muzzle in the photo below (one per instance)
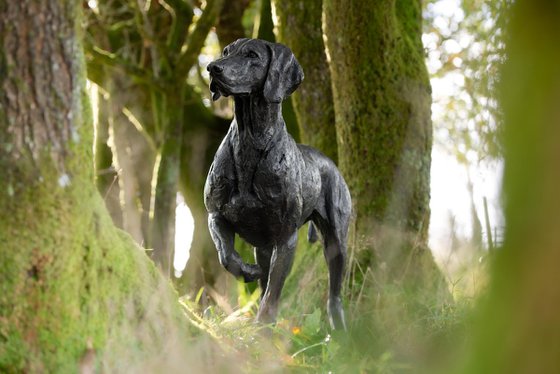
(214, 70)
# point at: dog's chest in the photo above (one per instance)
(267, 202)
(258, 191)
(246, 161)
(271, 175)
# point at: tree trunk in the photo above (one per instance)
(106, 176)
(299, 27)
(230, 25)
(68, 278)
(125, 153)
(163, 225)
(521, 314)
(133, 159)
(382, 104)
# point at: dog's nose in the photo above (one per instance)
(214, 69)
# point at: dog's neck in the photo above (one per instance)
(257, 120)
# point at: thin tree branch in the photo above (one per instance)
(196, 38)
(146, 31)
(141, 129)
(182, 14)
(111, 59)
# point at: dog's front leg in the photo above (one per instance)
(280, 265)
(223, 237)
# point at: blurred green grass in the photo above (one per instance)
(392, 328)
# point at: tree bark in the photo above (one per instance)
(299, 27)
(68, 278)
(382, 104)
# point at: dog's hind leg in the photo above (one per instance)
(334, 227)
(280, 265)
(223, 236)
(335, 254)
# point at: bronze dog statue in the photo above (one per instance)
(263, 186)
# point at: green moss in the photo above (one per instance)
(67, 274)
(68, 277)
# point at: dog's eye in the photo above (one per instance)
(225, 52)
(252, 54)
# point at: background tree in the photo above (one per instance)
(381, 111)
(365, 101)
(71, 284)
(299, 27)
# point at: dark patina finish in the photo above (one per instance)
(263, 186)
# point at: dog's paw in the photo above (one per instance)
(251, 272)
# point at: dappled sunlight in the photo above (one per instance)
(184, 228)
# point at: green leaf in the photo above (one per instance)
(312, 322)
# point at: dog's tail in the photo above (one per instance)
(312, 233)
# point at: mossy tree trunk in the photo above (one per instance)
(521, 315)
(382, 101)
(68, 278)
(299, 27)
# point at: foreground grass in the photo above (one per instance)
(392, 329)
(312, 347)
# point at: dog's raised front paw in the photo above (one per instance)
(251, 272)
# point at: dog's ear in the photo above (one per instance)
(284, 74)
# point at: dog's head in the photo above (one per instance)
(252, 66)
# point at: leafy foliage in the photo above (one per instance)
(465, 46)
